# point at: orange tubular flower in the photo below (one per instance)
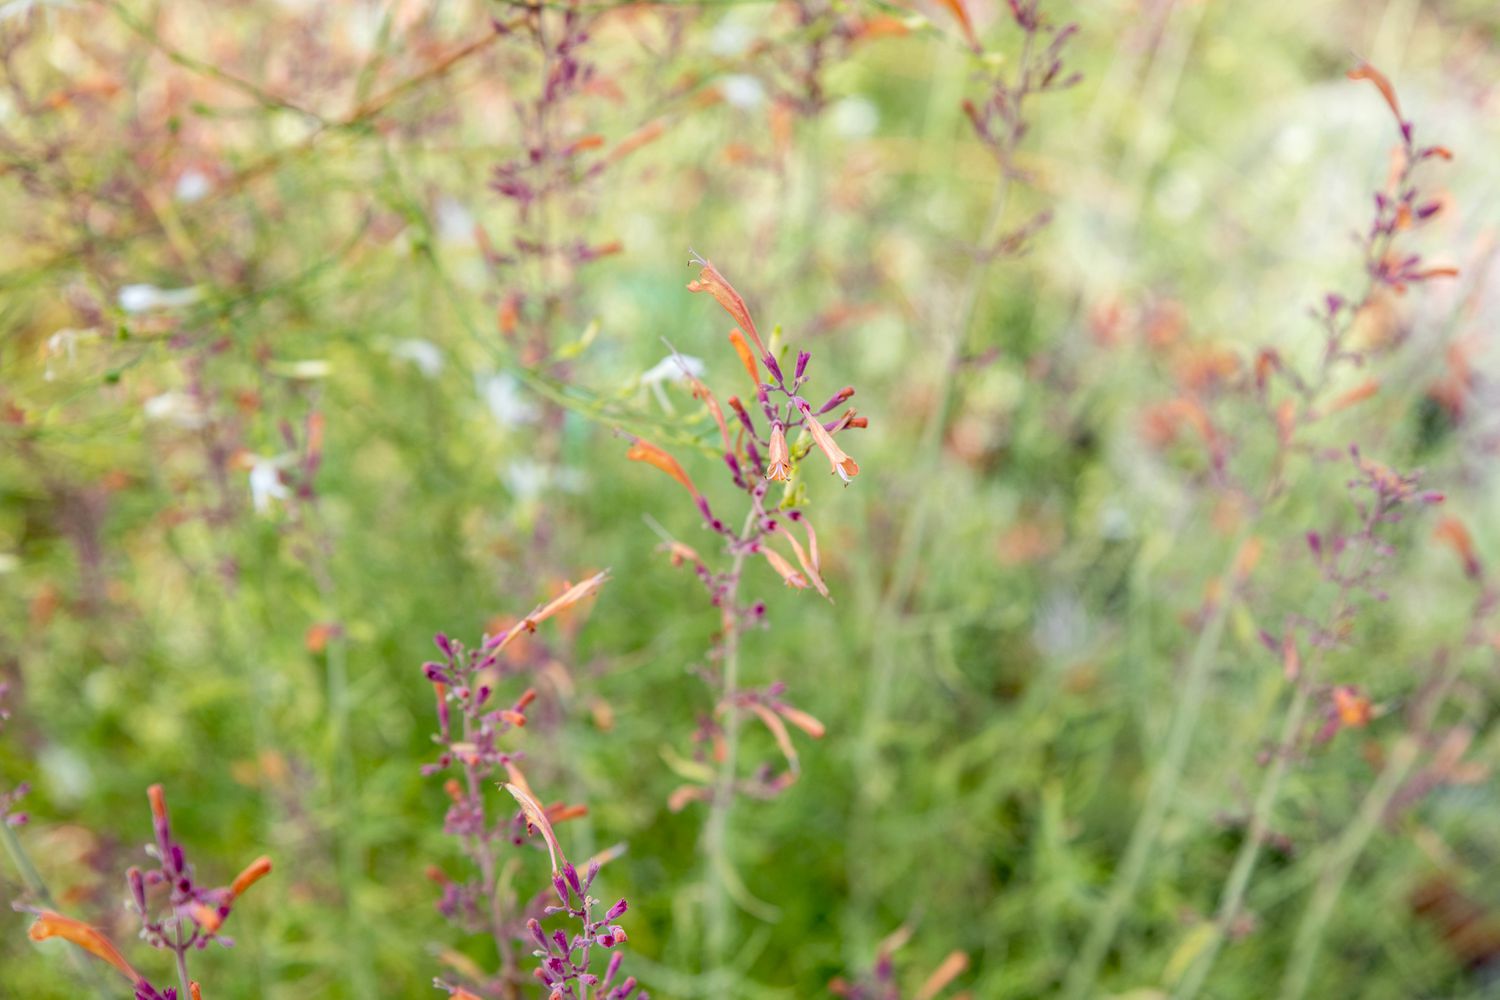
(645, 451)
(569, 597)
(845, 466)
(737, 339)
(781, 566)
(49, 924)
(1364, 71)
(714, 283)
(780, 466)
(253, 873)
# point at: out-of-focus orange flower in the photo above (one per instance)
(49, 924)
(1452, 532)
(961, 14)
(644, 451)
(1353, 708)
(784, 568)
(1364, 71)
(948, 969)
(252, 873)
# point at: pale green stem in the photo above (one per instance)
(717, 919)
(1162, 790)
(1249, 852)
(1351, 844)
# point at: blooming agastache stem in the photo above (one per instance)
(472, 719)
(763, 447)
(999, 116)
(175, 912)
(1308, 401)
(567, 962)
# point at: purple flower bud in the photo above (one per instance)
(561, 887)
(616, 911)
(1315, 543)
(137, 889)
(443, 644)
(837, 398)
(802, 359)
(773, 367)
(535, 929)
(571, 874)
(561, 940)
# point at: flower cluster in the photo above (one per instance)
(565, 960)
(176, 913)
(471, 722)
(760, 450)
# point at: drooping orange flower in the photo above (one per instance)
(711, 281)
(1452, 532)
(845, 466)
(784, 568)
(1364, 71)
(778, 732)
(568, 598)
(961, 14)
(948, 970)
(536, 816)
(780, 466)
(644, 451)
(49, 924)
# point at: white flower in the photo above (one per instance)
(671, 369)
(855, 117)
(139, 298)
(175, 407)
(455, 224)
(502, 394)
(265, 481)
(741, 90)
(193, 185)
(422, 353)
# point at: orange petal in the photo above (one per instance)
(778, 730)
(537, 817)
(1364, 71)
(49, 924)
(253, 873)
(746, 357)
(644, 451)
(714, 283)
(570, 597)
(962, 14)
(947, 971)
(780, 565)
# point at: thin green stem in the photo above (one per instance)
(717, 917)
(1352, 843)
(1160, 794)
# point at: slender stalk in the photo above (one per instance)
(1249, 852)
(716, 827)
(1160, 794)
(1352, 843)
(180, 953)
(1235, 887)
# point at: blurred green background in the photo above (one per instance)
(1013, 603)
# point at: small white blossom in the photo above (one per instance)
(174, 407)
(139, 298)
(502, 394)
(265, 481)
(422, 353)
